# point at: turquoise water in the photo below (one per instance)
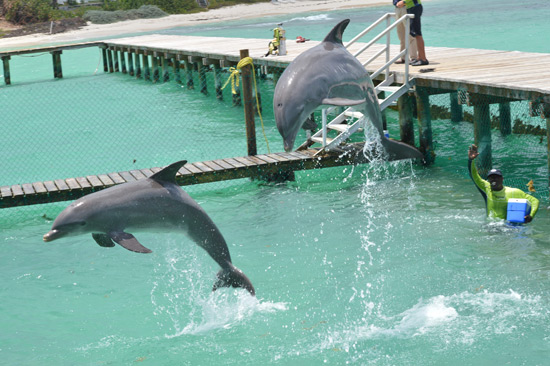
(382, 264)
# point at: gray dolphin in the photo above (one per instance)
(153, 203)
(329, 74)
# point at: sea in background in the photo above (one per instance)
(380, 264)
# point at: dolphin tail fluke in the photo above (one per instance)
(233, 277)
(399, 150)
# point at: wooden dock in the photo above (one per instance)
(264, 167)
(484, 77)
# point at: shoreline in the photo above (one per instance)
(241, 11)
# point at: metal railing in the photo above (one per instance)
(386, 49)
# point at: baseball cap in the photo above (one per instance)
(494, 172)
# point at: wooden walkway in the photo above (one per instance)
(511, 74)
(266, 167)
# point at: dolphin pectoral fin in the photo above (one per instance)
(129, 242)
(342, 102)
(233, 277)
(103, 240)
(398, 150)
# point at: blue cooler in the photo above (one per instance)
(517, 209)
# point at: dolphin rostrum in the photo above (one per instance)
(328, 74)
(148, 204)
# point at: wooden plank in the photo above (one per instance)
(266, 158)
(137, 174)
(213, 166)
(50, 186)
(17, 191)
(127, 176)
(234, 163)
(278, 157)
(147, 172)
(84, 183)
(106, 180)
(39, 188)
(193, 169)
(5, 191)
(245, 161)
(203, 167)
(72, 183)
(116, 178)
(94, 181)
(256, 160)
(224, 164)
(28, 189)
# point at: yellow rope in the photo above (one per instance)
(234, 78)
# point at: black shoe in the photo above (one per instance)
(420, 63)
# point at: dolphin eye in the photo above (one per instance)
(280, 105)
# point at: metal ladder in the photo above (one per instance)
(351, 121)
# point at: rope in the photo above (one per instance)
(234, 78)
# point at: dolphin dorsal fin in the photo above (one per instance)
(335, 35)
(168, 174)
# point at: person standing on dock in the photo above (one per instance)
(496, 195)
(413, 52)
(415, 7)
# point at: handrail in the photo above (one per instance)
(386, 32)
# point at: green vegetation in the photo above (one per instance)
(23, 12)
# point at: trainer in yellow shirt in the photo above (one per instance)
(495, 194)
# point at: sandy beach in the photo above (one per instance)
(242, 11)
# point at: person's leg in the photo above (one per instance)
(421, 49)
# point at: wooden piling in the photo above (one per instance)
(145, 64)
(218, 81)
(201, 67)
(425, 124)
(457, 114)
(164, 64)
(104, 57)
(406, 125)
(505, 117)
(155, 66)
(130, 62)
(123, 68)
(6, 67)
(246, 72)
(176, 66)
(189, 74)
(137, 65)
(57, 69)
(115, 59)
(482, 136)
(110, 60)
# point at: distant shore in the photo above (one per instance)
(243, 11)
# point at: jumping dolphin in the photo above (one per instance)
(329, 74)
(153, 203)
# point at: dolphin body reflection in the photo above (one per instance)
(155, 203)
(328, 74)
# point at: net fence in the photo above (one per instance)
(111, 122)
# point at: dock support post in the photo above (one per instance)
(6, 66)
(217, 81)
(248, 106)
(505, 115)
(482, 136)
(176, 65)
(110, 60)
(202, 77)
(105, 62)
(406, 126)
(456, 108)
(115, 57)
(145, 63)
(425, 124)
(137, 65)
(57, 70)
(548, 144)
(189, 74)
(165, 73)
(382, 96)
(155, 63)
(130, 63)
(123, 62)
